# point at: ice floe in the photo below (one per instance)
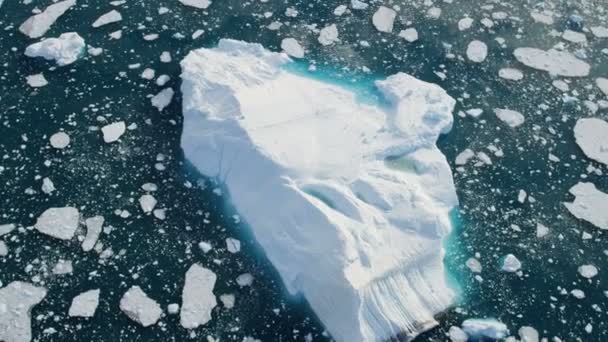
(488, 328)
(559, 63)
(328, 35)
(113, 131)
(59, 140)
(37, 25)
(64, 50)
(16, 302)
(591, 135)
(331, 181)
(139, 307)
(60, 223)
(94, 226)
(477, 51)
(162, 99)
(590, 204)
(111, 17)
(85, 304)
(200, 4)
(510, 263)
(510, 117)
(292, 47)
(36, 81)
(198, 299)
(384, 18)
(587, 271)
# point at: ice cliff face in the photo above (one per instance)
(305, 164)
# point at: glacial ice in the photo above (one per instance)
(64, 50)
(37, 25)
(361, 240)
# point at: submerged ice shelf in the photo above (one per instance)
(305, 163)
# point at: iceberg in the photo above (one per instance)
(349, 200)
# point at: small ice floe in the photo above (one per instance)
(139, 307)
(510, 264)
(339, 10)
(16, 302)
(602, 83)
(477, 51)
(485, 328)
(587, 271)
(63, 267)
(245, 279)
(162, 80)
(384, 18)
(590, 204)
(233, 245)
(463, 157)
(457, 335)
(205, 246)
(148, 74)
(200, 4)
(147, 203)
(36, 81)
(358, 4)
(292, 47)
(521, 196)
(85, 304)
(94, 227)
(541, 230)
(328, 35)
(59, 140)
(599, 31)
(578, 294)
(542, 17)
(409, 34)
(228, 300)
(590, 135)
(37, 25)
(111, 17)
(165, 57)
(474, 265)
(574, 37)
(510, 117)
(198, 299)
(465, 23)
(113, 131)
(3, 249)
(559, 63)
(60, 223)
(64, 50)
(94, 51)
(528, 334)
(6, 228)
(173, 308)
(511, 74)
(162, 99)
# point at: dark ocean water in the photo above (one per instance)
(100, 178)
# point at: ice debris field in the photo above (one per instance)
(303, 170)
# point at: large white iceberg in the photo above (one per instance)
(305, 163)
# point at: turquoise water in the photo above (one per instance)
(100, 179)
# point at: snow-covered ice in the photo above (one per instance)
(477, 51)
(113, 131)
(560, 63)
(384, 18)
(592, 137)
(111, 17)
(64, 50)
(488, 328)
(510, 117)
(60, 223)
(139, 307)
(331, 181)
(85, 304)
(198, 299)
(37, 25)
(590, 204)
(16, 302)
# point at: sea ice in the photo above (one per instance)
(587, 271)
(410, 34)
(111, 17)
(477, 51)
(59, 140)
(201, 4)
(36, 81)
(16, 302)
(139, 307)
(113, 131)
(560, 63)
(3, 249)
(602, 83)
(510, 263)
(488, 328)
(465, 23)
(511, 74)
(510, 117)
(233, 245)
(147, 203)
(457, 335)
(328, 35)
(335, 216)
(292, 47)
(64, 50)
(384, 18)
(528, 334)
(60, 223)
(228, 300)
(94, 226)
(590, 204)
(198, 299)
(37, 25)
(162, 99)
(591, 136)
(599, 31)
(63, 267)
(6, 228)
(85, 304)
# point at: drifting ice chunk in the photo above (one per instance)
(147, 203)
(410, 34)
(94, 225)
(602, 83)
(590, 204)
(113, 132)
(198, 299)
(201, 4)
(510, 263)
(292, 47)
(510, 117)
(111, 17)
(528, 334)
(162, 99)
(85, 304)
(560, 63)
(139, 307)
(511, 74)
(59, 140)
(37, 25)
(457, 334)
(64, 50)
(328, 35)
(16, 302)
(384, 18)
(6, 228)
(477, 51)
(488, 328)
(63, 267)
(587, 271)
(60, 223)
(36, 81)
(3, 249)
(335, 216)
(591, 136)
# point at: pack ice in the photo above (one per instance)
(305, 164)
